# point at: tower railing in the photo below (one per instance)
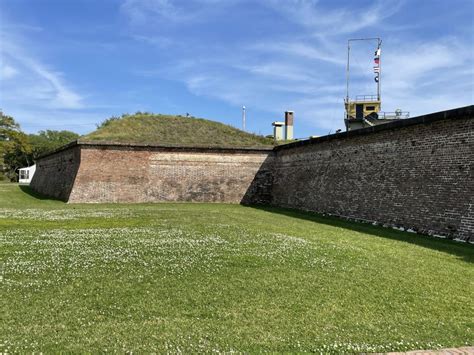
(366, 98)
(393, 115)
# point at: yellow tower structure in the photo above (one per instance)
(366, 110)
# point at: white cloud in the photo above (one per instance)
(141, 10)
(34, 83)
(279, 70)
(298, 49)
(425, 77)
(7, 72)
(413, 61)
(154, 40)
(323, 21)
(152, 12)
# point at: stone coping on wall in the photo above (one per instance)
(456, 113)
(172, 147)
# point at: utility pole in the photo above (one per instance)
(243, 118)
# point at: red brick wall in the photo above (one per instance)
(128, 174)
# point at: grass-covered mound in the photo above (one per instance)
(207, 278)
(146, 128)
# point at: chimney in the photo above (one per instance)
(289, 125)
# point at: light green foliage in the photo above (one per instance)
(147, 128)
(7, 125)
(47, 141)
(15, 149)
(219, 278)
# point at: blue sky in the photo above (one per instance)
(69, 64)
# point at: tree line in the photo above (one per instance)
(19, 150)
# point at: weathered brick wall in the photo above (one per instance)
(146, 174)
(416, 174)
(55, 174)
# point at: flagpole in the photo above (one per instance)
(379, 44)
(347, 70)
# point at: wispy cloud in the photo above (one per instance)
(300, 49)
(7, 71)
(429, 76)
(153, 11)
(412, 62)
(343, 20)
(140, 11)
(28, 75)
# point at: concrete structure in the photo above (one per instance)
(287, 134)
(415, 173)
(278, 134)
(26, 174)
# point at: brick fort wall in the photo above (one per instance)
(415, 173)
(55, 174)
(123, 173)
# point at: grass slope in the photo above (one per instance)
(166, 129)
(206, 277)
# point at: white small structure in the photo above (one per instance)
(26, 174)
(278, 130)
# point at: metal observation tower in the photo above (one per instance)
(365, 110)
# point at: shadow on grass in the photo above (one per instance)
(465, 251)
(29, 191)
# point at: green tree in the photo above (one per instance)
(49, 140)
(7, 125)
(15, 149)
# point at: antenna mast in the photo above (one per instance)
(379, 70)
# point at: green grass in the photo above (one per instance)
(166, 129)
(207, 277)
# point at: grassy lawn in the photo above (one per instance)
(207, 277)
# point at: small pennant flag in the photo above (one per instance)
(377, 52)
(377, 60)
(376, 69)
